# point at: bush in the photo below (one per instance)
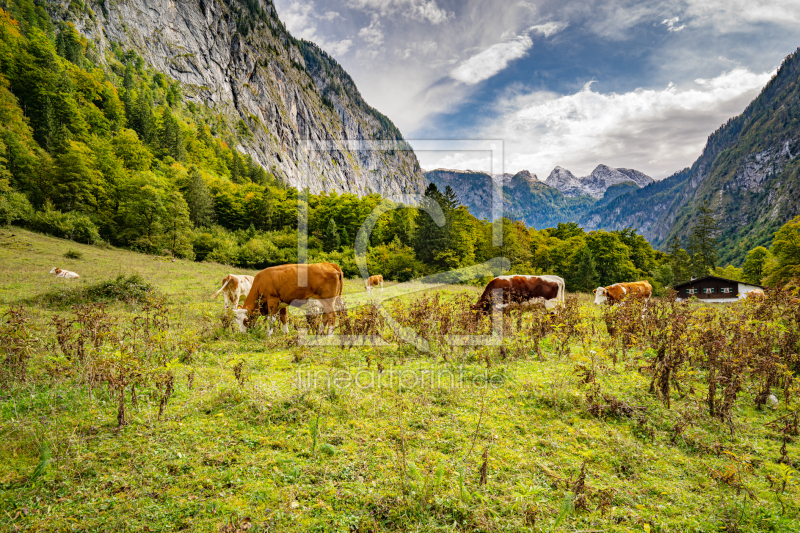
(73, 254)
(131, 289)
(14, 207)
(74, 226)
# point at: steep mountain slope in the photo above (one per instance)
(523, 196)
(289, 104)
(749, 173)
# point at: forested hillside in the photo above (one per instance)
(748, 173)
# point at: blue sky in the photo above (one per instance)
(574, 84)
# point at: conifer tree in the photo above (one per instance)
(331, 239)
(703, 242)
(199, 200)
(582, 272)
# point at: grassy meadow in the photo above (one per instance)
(142, 410)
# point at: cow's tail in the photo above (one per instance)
(221, 289)
(561, 289)
(339, 289)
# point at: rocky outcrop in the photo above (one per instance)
(596, 183)
(307, 125)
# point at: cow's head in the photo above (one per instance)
(242, 318)
(481, 308)
(600, 295)
(55, 270)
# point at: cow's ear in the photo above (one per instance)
(594, 291)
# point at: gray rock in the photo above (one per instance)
(261, 80)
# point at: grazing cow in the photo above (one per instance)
(373, 281)
(522, 291)
(618, 291)
(64, 273)
(275, 288)
(233, 288)
(755, 294)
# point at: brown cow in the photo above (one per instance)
(233, 288)
(373, 281)
(755, 294)
(522, 291)
(616, 292)
(276, 288)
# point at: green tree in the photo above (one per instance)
(172, 141)
(177, 237)
(785, 252)
(664, 275)
(199, 200)
(729, 272)
(703, 242)
(133, 154)
(331, 239)
(142, 213)
(679, 261)
(77, 184)
(582, 275)
(754, 265)
(611, 257)
(641, 252)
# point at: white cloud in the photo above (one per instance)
(300, 20)
(486, 64)
(549, 28)
(671, 24)
(491, 61)
(413, 9)
(373, 36)
(330, 15)
(655, 131)
(733, 15)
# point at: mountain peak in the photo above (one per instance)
(596, 183)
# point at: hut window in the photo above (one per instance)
(691, 291)
(709, 290)
(726, 290)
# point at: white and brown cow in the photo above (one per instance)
(233, 288)
(276, 288)
(522, 291)
(64, 273)
(373, 281)
(619, 291)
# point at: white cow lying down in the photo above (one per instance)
(64, 273)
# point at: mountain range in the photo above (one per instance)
(541, 204)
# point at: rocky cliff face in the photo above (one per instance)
(287, 103)
(748, 172)
(596, 183)
(523, 196)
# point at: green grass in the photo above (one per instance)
(381, 446)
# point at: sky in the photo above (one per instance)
(554, 82)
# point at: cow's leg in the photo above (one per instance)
(381, 286)
(284, 317)
(272, 311)
(226, 298)
(329, 314)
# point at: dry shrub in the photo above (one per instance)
(16, 343)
